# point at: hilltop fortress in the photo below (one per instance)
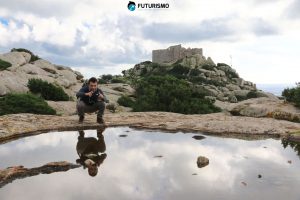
(174, 53)
(177, 52)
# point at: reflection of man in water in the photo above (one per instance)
(88, 149)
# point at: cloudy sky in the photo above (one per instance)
(97, 36)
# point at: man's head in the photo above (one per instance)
(93, 170)
(93, 82)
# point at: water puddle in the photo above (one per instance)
(123, 163)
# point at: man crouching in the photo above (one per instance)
(91, 99)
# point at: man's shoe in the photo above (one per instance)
(81, 118)
(100, 120)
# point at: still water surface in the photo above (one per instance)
(144, 164)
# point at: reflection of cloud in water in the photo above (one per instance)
(130, 170)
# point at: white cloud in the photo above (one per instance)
(103, 36)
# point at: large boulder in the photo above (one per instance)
(16, 58)
(262, 107)
(16, 77)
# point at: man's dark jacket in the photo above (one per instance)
(90, 100)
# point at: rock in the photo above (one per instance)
(79, 76)
(232, 99)
(16, 58)
(111, 107)
(211, 98)
(12, 82)
(210, 61)
(241, 93)
(260, 93)
(15, 79)
(232, 87)
(211, 91)
(17, 125)
(198, 137)
(202, 161)
(263, 107)
(259, 176)
(239, 81)
(63, 107)
(244, 183)
(251, 111)
(10, 174)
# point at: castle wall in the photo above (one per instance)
(173, 53)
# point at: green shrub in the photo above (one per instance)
(148, 62)
(107, 77)
(4, 65)
(179, 69)
(195, 72)
(101, 81)
(33, 57)
(292, 95)
(167, 93)
(47, 90)
(125, 101)
(118, 80)
(24, 103)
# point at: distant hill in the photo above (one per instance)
(219, 81)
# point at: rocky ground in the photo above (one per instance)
(17, 125)
(10, 174)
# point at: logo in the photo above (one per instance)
(131, 6)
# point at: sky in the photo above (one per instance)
(260, 38)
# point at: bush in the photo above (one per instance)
(118, 80)
(179, 69)
(24, 103)
(167, 93)
(32, 58)
(106, 77)
(125, 101)
(100, 81)
(47, 90)
(4, 65)
(292, 95)
(195, 72)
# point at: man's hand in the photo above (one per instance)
(89, 93)
(101, 97)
